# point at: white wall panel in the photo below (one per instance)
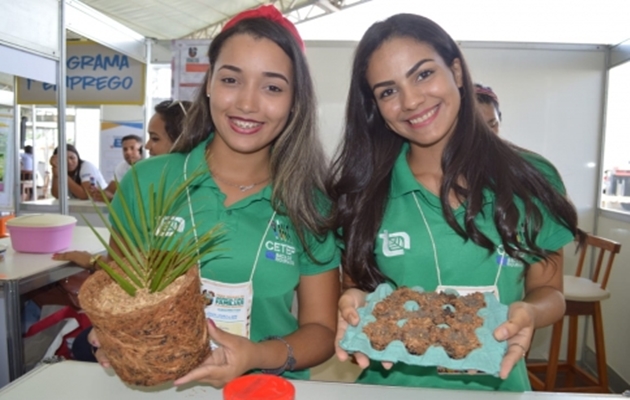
(18, 62)
(100, 28)
(551, 101)
(32, 25)
(620, 53)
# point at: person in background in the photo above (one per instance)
(132, 153)
(166, 126)
(82, 175)
(425, 194)
(26, 171)
(251, 135)
(488, 103)
(26, 159)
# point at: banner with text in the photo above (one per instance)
(190, 63)
(6, 158)
(112, 133)
(95, 75)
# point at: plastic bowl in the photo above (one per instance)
(41, 233)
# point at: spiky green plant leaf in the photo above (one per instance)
(144, 258)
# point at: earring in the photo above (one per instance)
(208, 95)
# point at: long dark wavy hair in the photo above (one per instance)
(473, 159)
(76, 174)
(297, 164)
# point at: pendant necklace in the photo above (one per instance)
(242, 188)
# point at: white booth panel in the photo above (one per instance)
(32, 25)
(100, 28)
(620, 53)
(27, 65)
(7, 141)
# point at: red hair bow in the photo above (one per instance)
(268, 12)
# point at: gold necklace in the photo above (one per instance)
(242, 188)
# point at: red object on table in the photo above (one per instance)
(259, 387)
(3, 225)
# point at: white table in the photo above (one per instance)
(79, 209)
(72, 380)
(21, 273)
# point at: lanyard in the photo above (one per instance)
(192, 219)
(435, 256)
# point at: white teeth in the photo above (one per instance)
(245, 124)
(423, 118)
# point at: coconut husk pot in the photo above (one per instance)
(150, 338)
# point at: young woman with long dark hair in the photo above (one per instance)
(427, 195)
(82, 175)
(252, 131)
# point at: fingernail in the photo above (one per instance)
(212, 323)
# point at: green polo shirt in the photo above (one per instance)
(282, 258)
(404, 253)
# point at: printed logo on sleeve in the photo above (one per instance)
(168, 226)
(395, 244)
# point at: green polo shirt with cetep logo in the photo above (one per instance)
(281, 260)
(404, 253)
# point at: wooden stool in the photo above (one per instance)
(583, 297)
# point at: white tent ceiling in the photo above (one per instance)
(548, 21)
(529, 21)
(172, 19)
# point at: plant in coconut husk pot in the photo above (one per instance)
(145, 304)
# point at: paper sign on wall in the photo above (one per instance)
(95, 75)
(190, 63)
(6, 158)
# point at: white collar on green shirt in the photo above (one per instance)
(403, 182)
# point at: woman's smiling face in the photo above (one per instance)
(251, 93)
(416, 92)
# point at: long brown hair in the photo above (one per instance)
(76, 174)
(361, 174)
(297, 159)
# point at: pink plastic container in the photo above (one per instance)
(41, 233)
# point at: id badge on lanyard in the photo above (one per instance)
(229, 305)
(461, 290)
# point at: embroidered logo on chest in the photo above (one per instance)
(281, 249)
(168, 226)
(504, 260)
(395, 244)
